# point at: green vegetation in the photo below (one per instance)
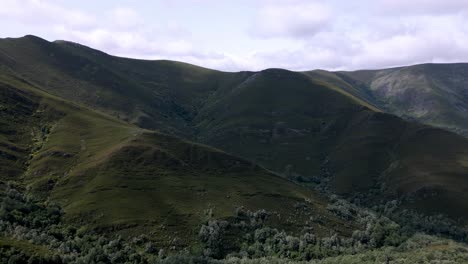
(32, 231)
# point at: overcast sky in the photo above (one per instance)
(253, 35)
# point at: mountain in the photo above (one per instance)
(302, 125)
(308, 131)
(433, 94)
(161, 95)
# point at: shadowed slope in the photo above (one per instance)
(311, 133)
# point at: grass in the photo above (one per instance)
(25, 247)
(161, 185)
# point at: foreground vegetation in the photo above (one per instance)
(32, 231)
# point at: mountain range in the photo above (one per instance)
(143, 147)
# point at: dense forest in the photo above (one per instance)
(42, 237)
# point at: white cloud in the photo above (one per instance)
(37, 12)
(368, 34)
(119, 31)
(296, 19)
(433, 39)
(124, 18)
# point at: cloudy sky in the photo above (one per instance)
(253, 35)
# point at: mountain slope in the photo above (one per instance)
(112, 176)
(434, 94)
(311, 133)
(160, 95)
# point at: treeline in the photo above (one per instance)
(380, 233)
(259, 240)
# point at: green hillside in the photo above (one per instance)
(160, 95)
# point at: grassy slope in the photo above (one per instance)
(160, 95)
(26, 247)
(110, 175)
(297, 124)
(347, 86)
(273, 117)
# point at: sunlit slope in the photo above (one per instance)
(347, 86)
(163, 95)
(434, 94)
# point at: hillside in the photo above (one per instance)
(313, 134)
(316, 128)
(161, 95)
(110, 176)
